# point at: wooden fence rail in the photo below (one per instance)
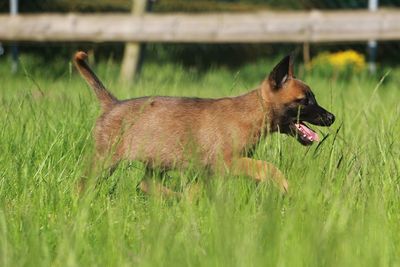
(258, 27)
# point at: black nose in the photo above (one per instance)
(330, 118)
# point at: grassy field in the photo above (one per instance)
(343, 207)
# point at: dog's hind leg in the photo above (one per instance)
(152, 187)
(99, 170)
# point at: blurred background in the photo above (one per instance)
(352, 52)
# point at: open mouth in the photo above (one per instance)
(304, 134)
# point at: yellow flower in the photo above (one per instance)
(340, 60)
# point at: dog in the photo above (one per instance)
(169, 132)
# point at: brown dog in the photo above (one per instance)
(170, 132)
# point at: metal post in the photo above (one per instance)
(14, 47)
(372, 44)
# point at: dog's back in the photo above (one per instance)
(170, 131)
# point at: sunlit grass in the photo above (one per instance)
(343, 208)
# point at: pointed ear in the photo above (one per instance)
(281, 72)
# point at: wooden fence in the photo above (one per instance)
(258, 27)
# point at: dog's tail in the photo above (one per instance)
(107, 100)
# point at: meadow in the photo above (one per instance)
(342, 208)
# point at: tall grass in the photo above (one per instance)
(343, 207)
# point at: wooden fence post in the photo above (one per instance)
(131, 57)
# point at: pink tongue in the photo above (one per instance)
(311, 135)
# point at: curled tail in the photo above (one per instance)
(107, 100)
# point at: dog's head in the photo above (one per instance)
(292, 104)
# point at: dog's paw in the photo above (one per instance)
(284, 186)
(280, 180)
(268, 171)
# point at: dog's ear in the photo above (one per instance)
(281, 72)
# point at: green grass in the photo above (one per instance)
(343, 208)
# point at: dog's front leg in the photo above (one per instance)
(260, 171)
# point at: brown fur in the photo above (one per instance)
(169, 132)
